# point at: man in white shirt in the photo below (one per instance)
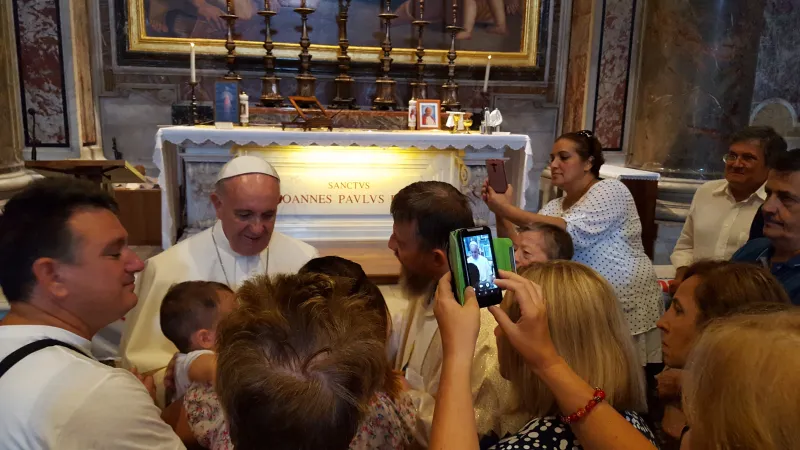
(485, 268)
(722, 211)
(242, 243)
(424, 215)
(67, 272)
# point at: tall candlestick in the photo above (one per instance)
(486, 75)
(450, 87)
(230, 45)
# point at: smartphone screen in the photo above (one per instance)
(481, 265)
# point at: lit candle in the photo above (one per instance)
(191, 63)
(486, 74)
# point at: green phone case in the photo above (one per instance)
(503, 251)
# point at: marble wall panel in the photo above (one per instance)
(41, 69)
(696, 83)
(81, 54)
(612, 83)
(577, 67)
(778, 68)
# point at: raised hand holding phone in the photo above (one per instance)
(495, 200)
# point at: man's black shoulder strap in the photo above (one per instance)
(19, 354)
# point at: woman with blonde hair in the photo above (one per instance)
(570, 359)
(739, 391)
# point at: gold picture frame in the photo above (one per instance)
(139, 41)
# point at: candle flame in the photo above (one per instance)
(490, 56)
(192, 44)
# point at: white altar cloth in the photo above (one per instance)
(170, 139)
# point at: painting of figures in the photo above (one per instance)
(490, 25)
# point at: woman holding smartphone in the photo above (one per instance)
(601, 217)
(563, 345)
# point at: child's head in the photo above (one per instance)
(191, 311)
(335, 266)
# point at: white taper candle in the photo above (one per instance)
(191, 64)
(486, 75)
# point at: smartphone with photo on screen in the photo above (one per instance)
(480, 264)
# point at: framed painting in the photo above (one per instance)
(506, 29)
(226, 102)
(429, 113)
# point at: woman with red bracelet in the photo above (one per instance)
(572, 363)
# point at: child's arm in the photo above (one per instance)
(204, 369)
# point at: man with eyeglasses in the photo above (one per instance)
(722, 211)
(779, 249)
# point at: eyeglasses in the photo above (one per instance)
(732, 157)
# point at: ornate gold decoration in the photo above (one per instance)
(140, 42)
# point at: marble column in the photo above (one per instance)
(698, 64)
(13, 176)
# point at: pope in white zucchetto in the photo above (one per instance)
(242, 243)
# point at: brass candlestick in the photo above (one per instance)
(419, 88)
(344, 82)
(450, 101)
(270, 84)
(385, 91)
(230, 44)
(306, 83)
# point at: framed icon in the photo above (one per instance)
(429, 114)
(226, 102)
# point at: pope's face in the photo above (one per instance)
(246, 206)
(473, 249)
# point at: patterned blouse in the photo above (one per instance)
(388, 426)
(607, 233)
(550, 433)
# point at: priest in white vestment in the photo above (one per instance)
(241, 244)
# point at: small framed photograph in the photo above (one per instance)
(429, 114)
(226, 102)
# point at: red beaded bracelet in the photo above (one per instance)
(599, 396)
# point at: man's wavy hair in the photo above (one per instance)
(298, 363)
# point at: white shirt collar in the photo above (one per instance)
(724, 189)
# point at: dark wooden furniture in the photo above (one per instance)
(644, 194)
(140, 214)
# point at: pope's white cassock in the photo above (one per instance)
(206, 256)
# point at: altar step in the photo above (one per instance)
(375, 258)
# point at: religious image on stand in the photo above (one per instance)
(226, 102)
(428, 114)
